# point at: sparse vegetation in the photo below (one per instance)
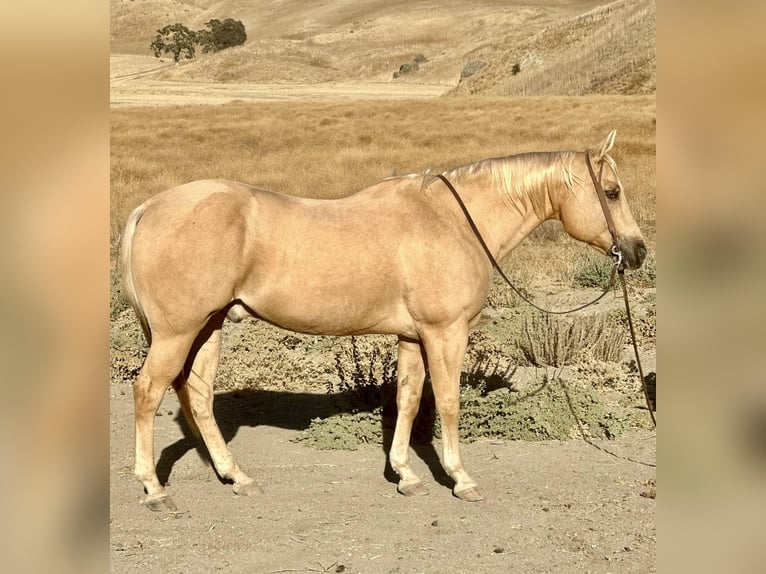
(592, 270)
(608, 49)
(493, 403)
(365, 370)
(562, 48)
(545, 409)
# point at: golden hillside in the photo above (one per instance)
(607, 50)
(294, 41)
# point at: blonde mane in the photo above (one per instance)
(517, 178)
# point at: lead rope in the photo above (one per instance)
(617, 267)
(635, 347)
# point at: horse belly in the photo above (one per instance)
(328, 305)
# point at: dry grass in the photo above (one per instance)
(607, 50)
(333, 149)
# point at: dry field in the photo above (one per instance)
(331, 149)
(308, 107)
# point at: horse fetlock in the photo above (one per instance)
(399, 462)
(148, 478)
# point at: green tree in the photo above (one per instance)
(174, 39)
(221, 34)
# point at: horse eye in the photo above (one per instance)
(612, 193)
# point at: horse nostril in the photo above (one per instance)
(635, 252)
(641, 251)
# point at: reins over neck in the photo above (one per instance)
(499, 269)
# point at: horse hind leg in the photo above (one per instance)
(410, 376)
(163, 363)
(195, 393)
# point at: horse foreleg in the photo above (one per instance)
(410, 374)
(197, 393)
(445, 350)
(163, 364)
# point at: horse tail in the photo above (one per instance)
(126, 269)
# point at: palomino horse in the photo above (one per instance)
(397, 258)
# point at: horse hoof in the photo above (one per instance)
(470, 494)
(247, 488)
(413, 489)
(160, 503)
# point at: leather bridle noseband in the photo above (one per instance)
(615, 252)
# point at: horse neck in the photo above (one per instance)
(508, 201)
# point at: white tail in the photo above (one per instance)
(126, 269)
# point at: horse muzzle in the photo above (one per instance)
(633, 251)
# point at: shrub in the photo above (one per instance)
(592, 270)
(553, 340)
(552, 411)
(221, 34)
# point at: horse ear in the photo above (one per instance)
(605, 146)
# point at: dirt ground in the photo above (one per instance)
(132, 84)
(549, 507)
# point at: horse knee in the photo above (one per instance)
(449, 408)
(408, 404)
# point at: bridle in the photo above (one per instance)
(615, 253)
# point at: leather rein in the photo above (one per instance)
(614, 252)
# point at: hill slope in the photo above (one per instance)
(608, 50)
(293, 41)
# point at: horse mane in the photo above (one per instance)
(517, 177)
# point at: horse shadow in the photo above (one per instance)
(295, 411)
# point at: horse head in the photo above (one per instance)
(583, 216)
